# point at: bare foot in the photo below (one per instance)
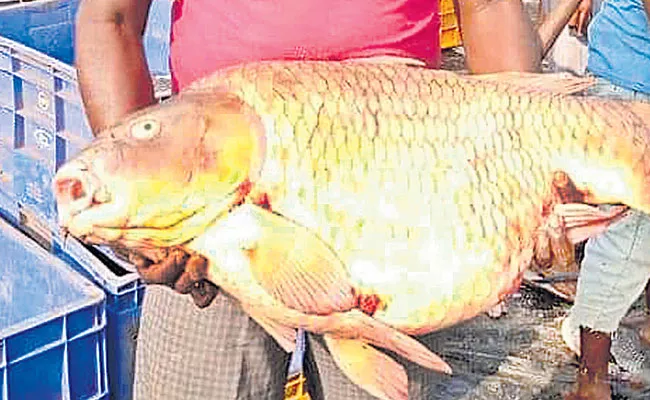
(592, 378)
(589, 389)
(590, 386)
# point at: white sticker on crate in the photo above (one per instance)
(43, 101)
(43, 138)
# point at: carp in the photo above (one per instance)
(370, 203)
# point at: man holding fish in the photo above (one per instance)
(219, 351)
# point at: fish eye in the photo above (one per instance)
(145, 129)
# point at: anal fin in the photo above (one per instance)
(498, 310)
(369, 368)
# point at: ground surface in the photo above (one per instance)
(522, 356)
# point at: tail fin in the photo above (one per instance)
(642, 111)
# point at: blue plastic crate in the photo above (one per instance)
(40, 120)
(42, 124)
(124, 296)
(46, 26)
(52, 326)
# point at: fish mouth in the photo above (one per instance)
(76, 189)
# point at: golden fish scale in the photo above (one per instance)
(433, 150)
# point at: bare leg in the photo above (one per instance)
(592, 382)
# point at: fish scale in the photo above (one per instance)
(381, 155)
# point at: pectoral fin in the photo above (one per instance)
(543, 255)
(552, 246)
(583, 221)
(295, 266)
(352, 324)
(236, 266)
(369, 368)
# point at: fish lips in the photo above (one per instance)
(77, 189)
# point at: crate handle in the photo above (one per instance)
(35, 228)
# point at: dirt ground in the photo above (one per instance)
(522, 356)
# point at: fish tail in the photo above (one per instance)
(642, 140)
(612, 162)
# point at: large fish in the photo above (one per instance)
(367, 202)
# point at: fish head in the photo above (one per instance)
(163, 175)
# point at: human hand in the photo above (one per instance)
(179, 269)
(580, 19)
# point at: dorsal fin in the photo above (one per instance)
(561, 83)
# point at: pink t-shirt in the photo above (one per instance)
(210, 34)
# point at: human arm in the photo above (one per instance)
(646, 4)
(566, 12)
(498, 36)
(114, 79)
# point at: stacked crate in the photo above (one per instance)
(52, 326)
(42, 124)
